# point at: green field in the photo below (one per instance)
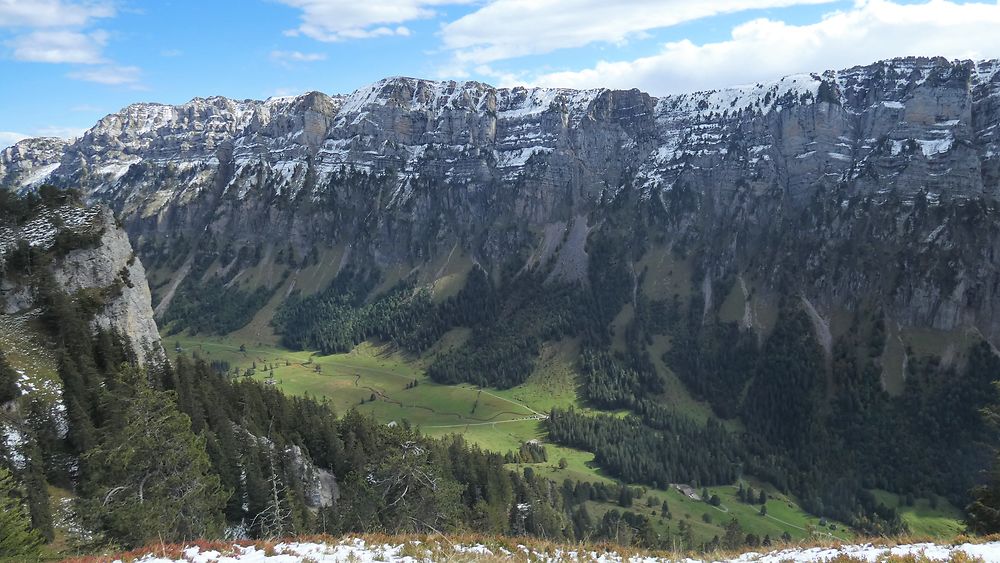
(378, 380)
(942, 521)
(783, 515)
(352, 380)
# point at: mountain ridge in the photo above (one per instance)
(452, 163)
(810, 259)
(218, 119)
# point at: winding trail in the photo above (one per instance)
(789, 524)
(539, 417)
(797, 527)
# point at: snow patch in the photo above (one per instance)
(519, 157)
(931, 147)
(39, 175)
(415, 551)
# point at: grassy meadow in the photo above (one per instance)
(377, 380)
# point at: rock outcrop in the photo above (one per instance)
(108, 265)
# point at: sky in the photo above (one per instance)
(64, 64)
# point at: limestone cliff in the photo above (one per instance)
(107, 263)
(877, 183)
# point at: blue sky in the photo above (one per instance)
(67, 63)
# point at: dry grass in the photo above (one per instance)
(450, 549)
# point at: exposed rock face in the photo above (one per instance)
(31, 161)
(319, 485)
(110, 263)
(130, 313)
(405, 169)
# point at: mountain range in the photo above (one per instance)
(458, 164)
(809, 261)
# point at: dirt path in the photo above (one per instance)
(484, 423)
(513, 402)
(789, 524)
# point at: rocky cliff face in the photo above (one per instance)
(109, 265)
(846, 184)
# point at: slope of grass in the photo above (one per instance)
(497, 420)
(942, 521)
(666, 274)
(351, 380)
(676, 395)
(733, 306)
(29, 352)
(783, 515)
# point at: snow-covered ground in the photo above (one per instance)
(356, 550)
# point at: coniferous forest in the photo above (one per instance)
(825, 431)
(178, 451)
(172, 451)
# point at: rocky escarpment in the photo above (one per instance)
(777, 182)
(28, 163)
(105, 264)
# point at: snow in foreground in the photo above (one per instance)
(357, 551)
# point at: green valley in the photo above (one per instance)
(379, 380)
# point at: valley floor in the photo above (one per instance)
(412, 550)
(377, 381)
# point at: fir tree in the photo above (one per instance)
(8, 381)
(17, 539)
(38, 494)
(152, 478)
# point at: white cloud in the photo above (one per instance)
(8, 138)
(339, 20)
(56, 32)
(505, 29)
(59, 46)
(287, 58)
(171, 53)
(67, 133)
(764, 48)
(111, 75)
(51, 13)
(285, 92)
(507, 79)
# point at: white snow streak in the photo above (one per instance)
(358, 550)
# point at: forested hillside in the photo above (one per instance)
(177, 451)
(787, 288)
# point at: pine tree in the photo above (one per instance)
(276, 518)
(583, 524)
(625, 497)
(8, 381)
(983, 513)
(733, 538)
(152, 478)
(38, 494)
(17, 539)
